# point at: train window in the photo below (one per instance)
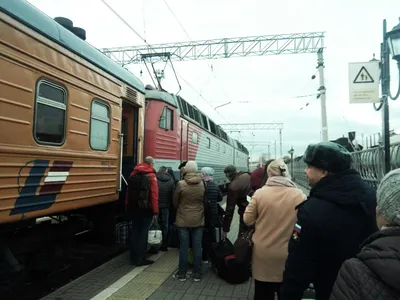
(50, 113)
(99, 126)
(191, 112)
(166, 119)
(212, 127)
(205, 122)
(185, 108)
(208, 143)
(196, 115)
(194, 138)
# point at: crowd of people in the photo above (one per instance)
(343, 238)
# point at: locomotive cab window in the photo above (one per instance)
(50, 113)
(99, 126)
(166, 119)
(194, 138)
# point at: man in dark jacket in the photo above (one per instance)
(141, 210)
(331, 224)
(166, 186)
(239, 189)
(375, 273)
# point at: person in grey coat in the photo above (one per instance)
(166, 187)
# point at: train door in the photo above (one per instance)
(129, 131)
(184, 140)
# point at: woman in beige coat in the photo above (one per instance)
(273, 212)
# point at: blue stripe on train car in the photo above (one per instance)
(27, 200)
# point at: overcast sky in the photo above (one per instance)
(271, 86)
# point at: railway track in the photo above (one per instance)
(55, 265)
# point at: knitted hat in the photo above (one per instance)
(191, 167)
(388, 197)
(328, 156)
(278, 168)
(207, 171)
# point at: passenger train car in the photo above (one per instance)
(176, 131)
(64, 107)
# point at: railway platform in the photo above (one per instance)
(118, 280)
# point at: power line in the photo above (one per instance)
(144, 19)
(126, 23)
(176, 18)
(201, 96)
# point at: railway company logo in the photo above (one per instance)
(29, 198)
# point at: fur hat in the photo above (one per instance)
(191, 167)
(388, 197)
(328, 156)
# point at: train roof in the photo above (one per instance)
(162, 96)
(42, 23)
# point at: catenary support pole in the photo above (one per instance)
(322, 91)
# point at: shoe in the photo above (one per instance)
(164, 248)
(145, 262)
(180, 277)
(197, 277)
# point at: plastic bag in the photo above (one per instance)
(154, 237)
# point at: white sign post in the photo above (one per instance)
(364, 82)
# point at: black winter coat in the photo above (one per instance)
(337, 217)
(166, 187)
(375, 273)
(214, 196)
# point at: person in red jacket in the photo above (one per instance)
(142, 205)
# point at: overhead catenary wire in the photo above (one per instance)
(202, 97)
(126, 23)
(144, 19)
(176, 18)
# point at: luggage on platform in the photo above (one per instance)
(122, 233)
(224, 263)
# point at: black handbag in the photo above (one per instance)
(244, 247)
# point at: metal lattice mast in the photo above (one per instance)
(222, 48)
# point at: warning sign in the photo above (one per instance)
(363, 76)
(364, 82)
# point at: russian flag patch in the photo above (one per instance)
(297, 228)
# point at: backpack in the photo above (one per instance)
(139, 193)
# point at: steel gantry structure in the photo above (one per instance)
(296, 43)
(256, 126)
(222, 48)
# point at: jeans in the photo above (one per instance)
(164, 222)
(139, 235)
(184, 238)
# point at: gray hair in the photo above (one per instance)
(149, 160)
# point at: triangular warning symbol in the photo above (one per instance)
(363, 77)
